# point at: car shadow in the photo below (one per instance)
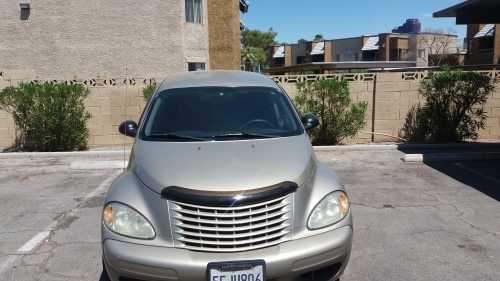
(103, 277)
(482, 175)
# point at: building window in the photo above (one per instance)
(194, 11)
(369, 56)
(486, 43)
(421, 53)
(278, 62)
(337, 57)
(300, 59)
(356, 56)
(318, 58)
(196, 66)
(25, 10)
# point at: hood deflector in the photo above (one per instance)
(228, 199)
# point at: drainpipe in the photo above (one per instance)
(374, 96)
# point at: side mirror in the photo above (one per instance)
(128, 128)
(310, 121)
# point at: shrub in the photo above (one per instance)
(330, 101)
(48, 116)
(453, 109)
(148, 91)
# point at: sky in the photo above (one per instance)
(296, 19)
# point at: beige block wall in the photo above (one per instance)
(111, 105)
(394, 97)
(108, 106)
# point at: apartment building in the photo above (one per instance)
(301, 53)
(384, 50)
(482, 18)
(483, 44)
(84, 39)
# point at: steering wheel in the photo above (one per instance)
(257, 121)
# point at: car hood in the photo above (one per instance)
(222, 166)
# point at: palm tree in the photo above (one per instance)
(318, 37)
(249, 58)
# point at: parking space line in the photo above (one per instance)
(33, 242)
(36, 240)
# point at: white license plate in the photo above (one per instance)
(236, 272)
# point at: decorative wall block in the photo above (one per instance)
(113, 100)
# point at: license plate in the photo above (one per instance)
(237, 271)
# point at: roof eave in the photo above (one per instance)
(244, 6)
(472, 12)
(451, 12)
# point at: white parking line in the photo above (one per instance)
(36, 240)
(33, 242)
(8, 264)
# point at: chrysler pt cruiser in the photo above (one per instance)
(223, 185)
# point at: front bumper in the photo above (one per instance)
(287, 260)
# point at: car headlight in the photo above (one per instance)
(127, 221)
(330, 210)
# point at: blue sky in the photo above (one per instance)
(295, 19)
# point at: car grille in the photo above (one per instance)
(231, 229)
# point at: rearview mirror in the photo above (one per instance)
(128, 128)
(310, 121)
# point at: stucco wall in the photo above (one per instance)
(430, 44)
(224, 34)
(112, 38)
(347, 49)
(496, 52)
(112, 101)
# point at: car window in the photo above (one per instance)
(220, 113)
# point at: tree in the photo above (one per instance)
(255, 44)
(48, 116)
(148, 91)
(258, 39)
(301, 41)
(318, 37)
(453, 109)
(331, 102)
(440, 48)
(252, 57)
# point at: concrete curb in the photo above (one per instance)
(356, 147)
(408, 146)
(119, 153)
(85, 154)
(446, 157)
(98, 165)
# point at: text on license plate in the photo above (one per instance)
(254, 274)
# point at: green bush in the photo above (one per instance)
(453, 109)
(148, 91)
(330, 101)
(48, 116)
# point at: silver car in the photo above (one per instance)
(223, 185)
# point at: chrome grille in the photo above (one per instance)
(230, 229)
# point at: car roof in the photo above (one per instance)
(216, 78)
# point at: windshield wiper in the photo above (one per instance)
(244, 135)
(177, 136)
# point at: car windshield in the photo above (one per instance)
(220, 113)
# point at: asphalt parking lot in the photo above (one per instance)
(415, 221)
